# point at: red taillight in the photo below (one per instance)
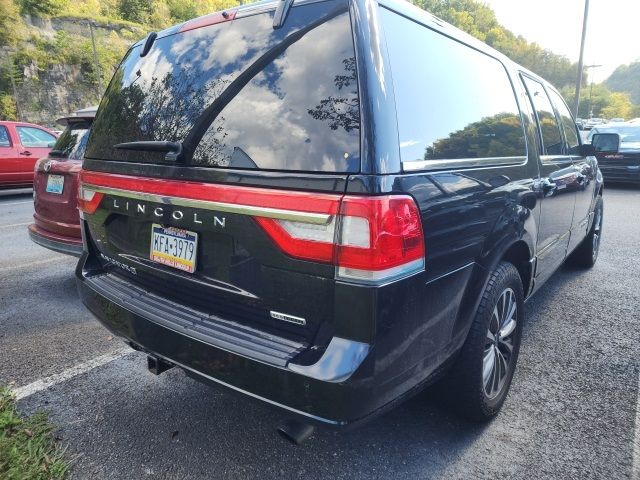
(88, 199)
(368, 239)
(395, 244)
(372, 239)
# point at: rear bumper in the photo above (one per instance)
(328, 396)
(55, 242)
(621, 174)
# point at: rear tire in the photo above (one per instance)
(586, 254)
(481, 376)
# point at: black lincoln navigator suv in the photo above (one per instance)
(327, 205)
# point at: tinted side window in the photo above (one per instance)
(568, 125)
(551, 138)
(4, 137)
(452, 101)
(34, 137)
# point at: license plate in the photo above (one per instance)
(174, 247)
(55, 183)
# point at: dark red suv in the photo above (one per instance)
(55, 188)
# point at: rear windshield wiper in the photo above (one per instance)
(173, 149)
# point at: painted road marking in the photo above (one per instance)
(34, 263)
(15, 203)
(635, 465)
(48, 382)
(14, 225)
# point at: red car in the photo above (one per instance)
(21, 144)
(56, 219)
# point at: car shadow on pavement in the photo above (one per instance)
(123, 422)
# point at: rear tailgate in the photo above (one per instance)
(253, 108)
(624, 165)
(55, 189)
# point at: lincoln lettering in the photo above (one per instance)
(197, 218)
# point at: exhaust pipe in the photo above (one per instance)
(295, 432)
(157, 365)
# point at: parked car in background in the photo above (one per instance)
(55, 191)
(619, 159)
(21, 145)
(616, 120)
(324, 224)
(580, 123)
(592, 122)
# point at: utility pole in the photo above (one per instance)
(581, 60)
(96, 63)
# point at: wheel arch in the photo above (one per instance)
(515, 249)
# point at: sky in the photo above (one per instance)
(612, 29)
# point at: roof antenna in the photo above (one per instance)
(148, 43)
(281, 12)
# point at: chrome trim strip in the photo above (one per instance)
(379, 277)
(315, 218)
(338, 362)
(548, 247)
(287, 318)
(463, 162)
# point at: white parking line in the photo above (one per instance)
(14, 225)
(635, 466)
(34, 263)
(15, 203)
(69, 373)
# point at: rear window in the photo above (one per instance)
(453, 102)
(73, 141)
(240, 94)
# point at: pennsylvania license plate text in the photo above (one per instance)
(174, 247)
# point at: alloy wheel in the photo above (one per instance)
(597, 233)
(498, 350)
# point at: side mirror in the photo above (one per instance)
(605, 142)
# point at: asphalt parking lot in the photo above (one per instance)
(572, 412)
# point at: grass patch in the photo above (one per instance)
(28, 448)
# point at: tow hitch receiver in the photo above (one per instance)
(157, 366)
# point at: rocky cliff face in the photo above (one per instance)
(48, 92)
(45, 95)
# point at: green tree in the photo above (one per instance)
(182, 10)
(40, 8)
(134, 10)
(10, 23)
(619, 105)
(626, 78)
(8, 109)
(479, 20)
